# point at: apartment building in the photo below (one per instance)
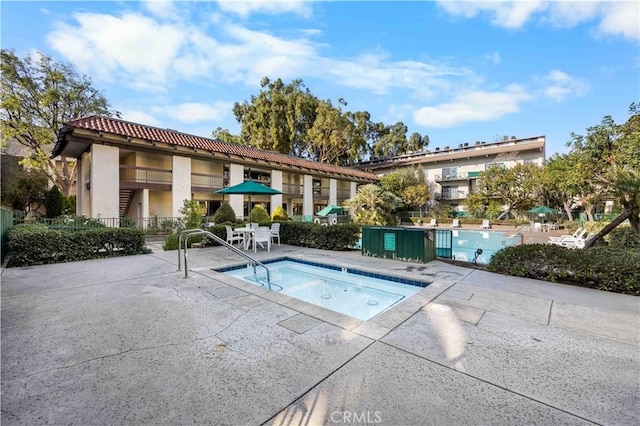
(132, 170)
(453, 171)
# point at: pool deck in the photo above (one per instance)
(131, 341)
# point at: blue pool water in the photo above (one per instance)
(343, 290)
(466, 242)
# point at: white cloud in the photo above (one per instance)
(494, 58)
(161, 8)
(503, 13)
(140, 117)
(133, 48)
(192, 112)
(619, 18)
(145, 54)
(559, 86)
(472, 106)
(273, 7)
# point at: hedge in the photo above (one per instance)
(604, 268)
(37, 245)
(303, 234)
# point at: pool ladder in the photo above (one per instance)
(188, 233)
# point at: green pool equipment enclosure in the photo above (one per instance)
(425, 245)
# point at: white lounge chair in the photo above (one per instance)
(486, 224)
(578, 243)
(563, 237)
(433, 223)
(455, 223)
(537, 226)
(580, 234)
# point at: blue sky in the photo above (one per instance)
(457, 71)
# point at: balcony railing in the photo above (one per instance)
(450, 196)
(206, 181)
(292, 189)
(321, 191)
(144, 175)
(344, 194)
(457, 176)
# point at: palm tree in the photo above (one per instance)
(373, 205)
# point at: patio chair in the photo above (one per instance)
(455, 223)
(275, 232)
(486, 224)
(433, 223)
(537, 226)
(233, 236)
(262, 236)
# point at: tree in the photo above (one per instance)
(38, 96)
(561, 181)
(410, 185)
(193, 212)
(476, 204)
(22, 189)
(54, 202)
(417, 142)
(337, 137)
(516, 188)
(391, 141)
(611, 155)
(224, 135)
(373, 205)
(279, 118)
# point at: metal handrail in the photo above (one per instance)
(193, 232)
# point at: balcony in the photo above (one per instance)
(457, 176)
(456, 196)
(344, 194)
(292, 189)
(201, 181)
(320, 191)
(132, 177)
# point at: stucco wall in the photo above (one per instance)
(105, 185)
(181, 183)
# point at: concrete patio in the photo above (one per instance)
(131, 341)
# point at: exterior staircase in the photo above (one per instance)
(126, 195)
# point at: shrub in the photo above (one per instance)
(37, 245)
(54, 202)
(224, 214)
(602, 268)
(337, 237)
(171, 240)
(279, 214)
(259, 214)
(624, 237)
(192, 211)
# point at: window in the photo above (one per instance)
(489, 165)
(449, 172)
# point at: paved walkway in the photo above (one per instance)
(131, 341)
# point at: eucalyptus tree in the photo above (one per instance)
(279, 117)
(38, 95)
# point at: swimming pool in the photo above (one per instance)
(349, 291)
(465, 243)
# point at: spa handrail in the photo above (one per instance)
(193, 232)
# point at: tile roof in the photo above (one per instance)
(134, 130)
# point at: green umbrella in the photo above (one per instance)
(541, 209)
(330, 209)
(249, 188)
